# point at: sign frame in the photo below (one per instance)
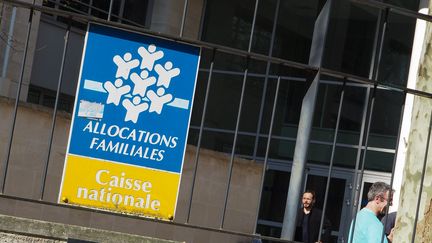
(122, 176)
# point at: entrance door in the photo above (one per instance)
(337, 198)
(275, 192)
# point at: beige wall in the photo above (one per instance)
(9, 83)
(29, 153)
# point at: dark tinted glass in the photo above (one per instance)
(274, 195)
(251, 104)
(228, 22)
(223, 101)
(408, 4)
(350, 38)
(295, 28)
(396, 52)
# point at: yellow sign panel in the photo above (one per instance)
(119, 187)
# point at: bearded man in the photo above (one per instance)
(309, 220)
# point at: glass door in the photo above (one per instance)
(275, 191)
(338, 196)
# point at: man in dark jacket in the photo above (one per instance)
(309, 219)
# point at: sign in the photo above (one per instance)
(130, 123)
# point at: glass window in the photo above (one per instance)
(193, 136)
(279, 149)
(295, 28)
(199, 97)
(327, 105)
(223, 101)
(408, 4)
(386, 117)
(264, 26)
(290, 97)
(229, 22)
(251, 104)
(345, 157)
(396, 52)
(135, 11)
(350, 38)
(319, 153)
(217, 141)
(379, 161)
(352, 115)
(274, 195)
(335, 199)
(245, 145)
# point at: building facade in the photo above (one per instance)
(290, 95)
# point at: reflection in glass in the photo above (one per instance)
(379, 161)
(396, 53)
(319, 153)
(199, 97)
(295, 28)
(350, 38)
(217, 141)
(251, 104)
(352, 115)
(223, 101)
(386, 118)
(335, 199)
(274, 195)
(279, 149)
(228, 22)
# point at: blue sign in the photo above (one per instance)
(134, 99)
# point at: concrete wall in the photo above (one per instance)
(36, 231)
(28, 157)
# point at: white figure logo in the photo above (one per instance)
(124, 65)
(149, 57)
(134, 108)
(142, 82)
(115, 91)
(166, 73)
(158, 100)
(147, 91)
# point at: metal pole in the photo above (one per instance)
(355, 185)
(299, 161)
(373, 74)
(266, 81)
(267, 152)
(60, 79)
(183, 18)
(200, 134)
(253, 26)
(9, 42)
(238, 117)
(331, 160)
(365, 130)
(6, 162)
(110, 10)
(305, 123)
(231, 164)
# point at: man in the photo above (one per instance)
(367, 227)
(389, 222)
(309, 219)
